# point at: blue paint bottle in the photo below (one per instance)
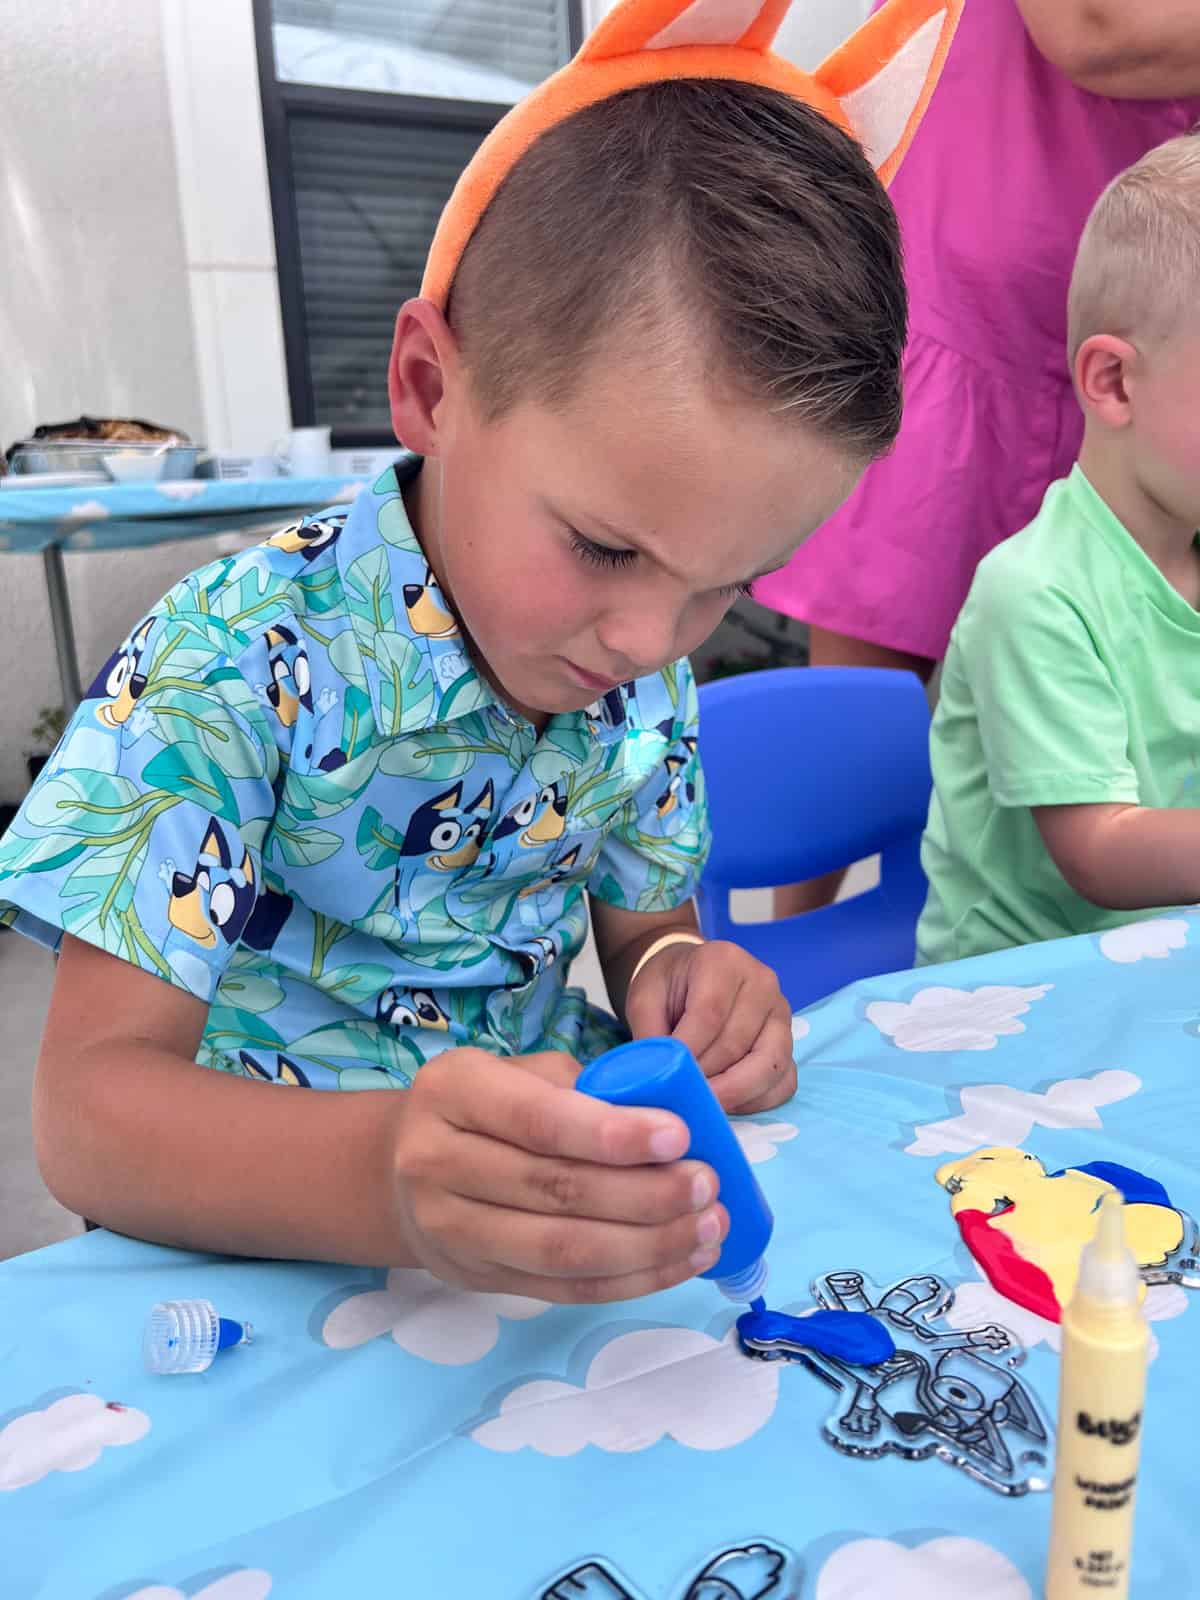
(663, 1074)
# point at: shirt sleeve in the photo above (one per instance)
(654, 853)
(143, 833)
(1053, 725)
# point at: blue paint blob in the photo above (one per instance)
(851, 1336)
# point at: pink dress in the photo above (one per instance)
(992, 198)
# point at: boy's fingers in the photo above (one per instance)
(500, 1174)
(577, 1249)
(553, 1066)
(502, 1101)
(748, 1001)
(646, 1005)
(573, 1291)
(705, 1013)
(765, 1077)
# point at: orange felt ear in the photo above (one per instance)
(876, 86)
(885, 73)
(664, 24)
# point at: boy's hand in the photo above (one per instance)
(727, 1008)
(508, 1181)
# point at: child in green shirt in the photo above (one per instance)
(1064, 746)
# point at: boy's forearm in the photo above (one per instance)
(154, 1146)
(1125, 858)
(620, 952)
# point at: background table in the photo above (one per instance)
(50, 522)
(335, 1458)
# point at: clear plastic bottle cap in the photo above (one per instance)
(185, 1335)
(748, 1284)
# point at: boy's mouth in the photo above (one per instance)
(591, 680)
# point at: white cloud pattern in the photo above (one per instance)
(67, 1436)
(1151, 940)
(994, 1113)
(250, 1583)
(699, 1391)
(955, 1019)
(866, 1569)
(427, 1317)
(761, 1140)
(800, 1029)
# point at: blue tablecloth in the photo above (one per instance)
(118, 516)
(411, 1440)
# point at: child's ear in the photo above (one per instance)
(884, 74)
(1102, 370)
(423, 360)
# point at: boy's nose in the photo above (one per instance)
(638, 642)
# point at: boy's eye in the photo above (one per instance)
(735, 591)
(600, 555)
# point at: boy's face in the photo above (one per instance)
(1166, 436)
(593, 543)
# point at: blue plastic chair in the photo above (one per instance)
(810, 769)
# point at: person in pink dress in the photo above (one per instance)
(1040, 104)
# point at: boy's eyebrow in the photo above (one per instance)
(628, 540)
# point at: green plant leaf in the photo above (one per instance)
(345, 657)
(406, 687)
(230, 1028)
(250, 991)
(610, 890)
(101, 887)
(302, 846)
(368, 588)
(392, 521)
(93, 804)
(357, 982)
(378, 841)
(439, 754)
(466, 694)
(184, 768)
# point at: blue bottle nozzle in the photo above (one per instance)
(185, 1336)
(664, 1074)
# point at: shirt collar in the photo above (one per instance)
(414, 658)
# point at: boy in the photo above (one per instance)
(328, 817)
(1063, 745)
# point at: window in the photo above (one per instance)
(371, 110)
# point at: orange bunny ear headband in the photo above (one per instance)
(876, 87)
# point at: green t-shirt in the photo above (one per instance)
(1073, 676)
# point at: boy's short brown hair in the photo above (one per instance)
(718, 218)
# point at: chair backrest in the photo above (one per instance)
(811, 768)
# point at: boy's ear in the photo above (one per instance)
(1102, 371)
(885, 73)
(424, 357)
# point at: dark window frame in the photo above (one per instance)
(279, 101)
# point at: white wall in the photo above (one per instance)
(138, 278)
(216, 116)
(811, 29)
